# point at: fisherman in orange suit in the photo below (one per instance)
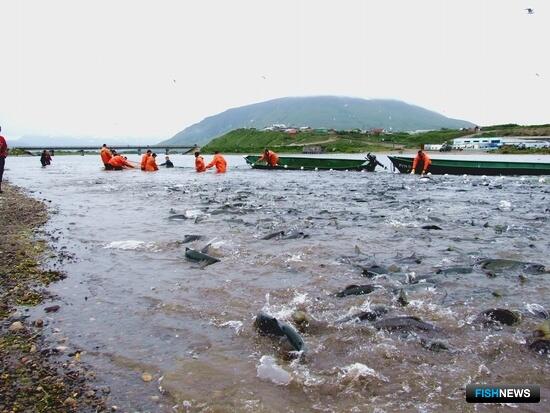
(422, 161)
(151, 165)
(118, 162)
(270, 157)
(144, 158)
(219, 162)
(200, 166)
(106, 155)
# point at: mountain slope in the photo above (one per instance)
(342, 113)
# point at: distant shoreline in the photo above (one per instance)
(408, 151)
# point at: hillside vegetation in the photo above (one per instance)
(251, 140)
(511, 129)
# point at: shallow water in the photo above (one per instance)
(134, 303)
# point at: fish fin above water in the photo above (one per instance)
(204, 249)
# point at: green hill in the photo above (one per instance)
(341, 113)
(255, 141)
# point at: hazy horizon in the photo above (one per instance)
(146, 71)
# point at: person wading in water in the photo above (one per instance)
(46, 158)
(200, 166)
(219, 162)
(144, 159)
(106, 156)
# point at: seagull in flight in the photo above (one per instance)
(530, 10)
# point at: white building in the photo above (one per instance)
(488, 143)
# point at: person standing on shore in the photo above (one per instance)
(422, 162)
(200, 166)
(219, 162)
(3, 156)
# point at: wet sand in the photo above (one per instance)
(32, 376)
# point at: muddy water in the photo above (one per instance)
(134, 304)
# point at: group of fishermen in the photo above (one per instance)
(117, 162)
(114, 161)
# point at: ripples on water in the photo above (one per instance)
(135, 304)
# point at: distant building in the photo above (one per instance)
(489, 143)
(376, 131)
(276, 126)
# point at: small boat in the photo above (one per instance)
(470, 167)
(312, 163)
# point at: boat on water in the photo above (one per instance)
(309, 163)
(471, 167)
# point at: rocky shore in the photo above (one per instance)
(33, 376)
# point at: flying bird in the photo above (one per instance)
(530, 10)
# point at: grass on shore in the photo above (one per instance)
(512, 150)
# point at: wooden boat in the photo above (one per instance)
(470, 167)
(313, 163)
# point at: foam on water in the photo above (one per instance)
(268, 369)
(358, 370)
(234, 324)
(129, 245)
(505, 205)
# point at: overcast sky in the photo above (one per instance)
(151, 68)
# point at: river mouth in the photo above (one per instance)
(135, 304)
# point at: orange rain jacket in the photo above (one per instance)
(144, 160)
(272, 158)
(106, 155)
(199, 164)
(219, 162)
(151, 164)
(119, 162)
(425, 159)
